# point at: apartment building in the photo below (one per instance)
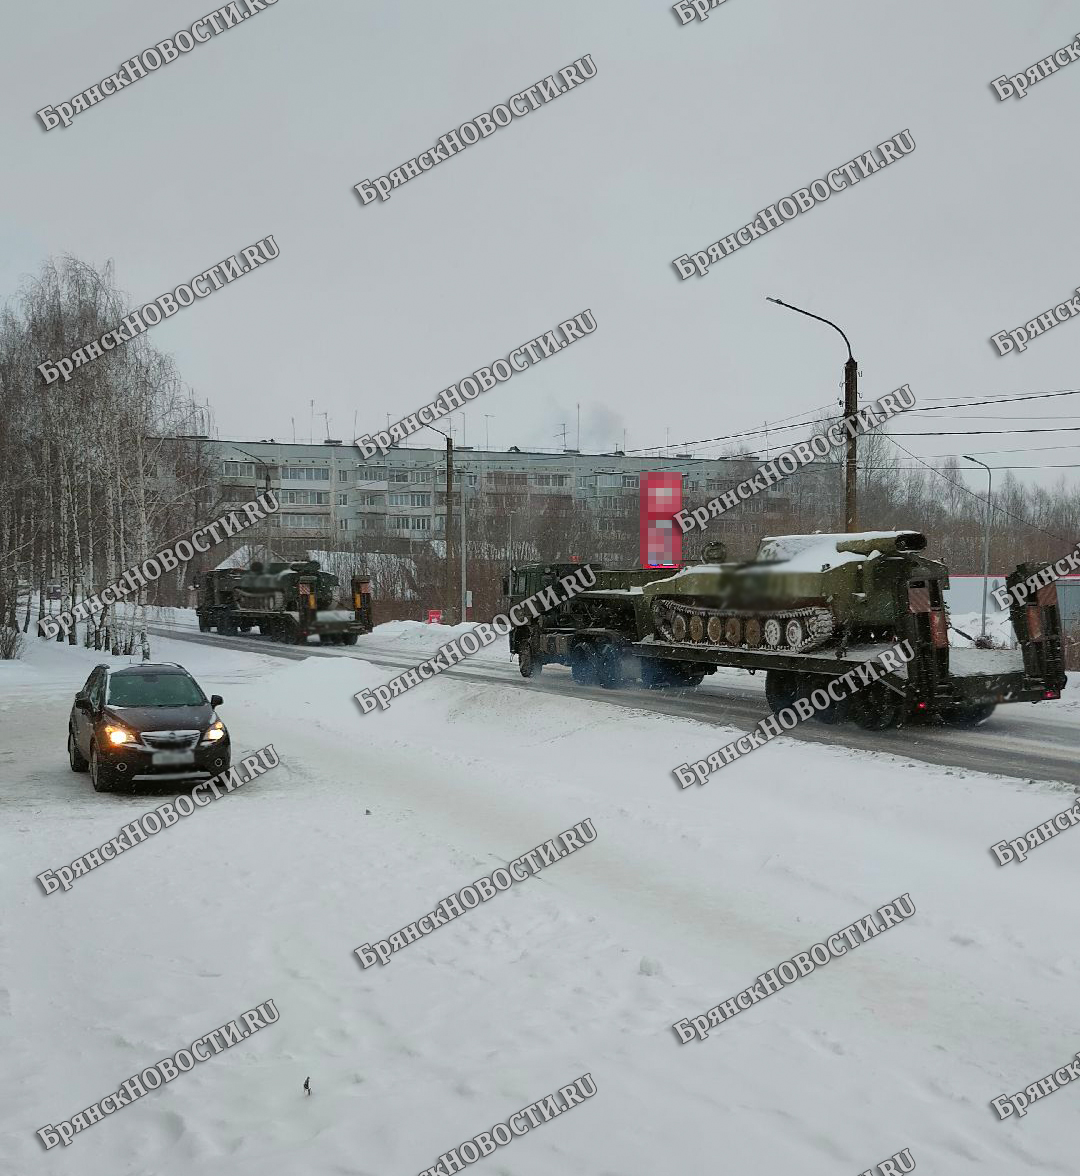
(329, 489)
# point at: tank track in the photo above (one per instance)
(688, 624)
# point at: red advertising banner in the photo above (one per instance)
(661, 539)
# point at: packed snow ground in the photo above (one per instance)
(683, 900)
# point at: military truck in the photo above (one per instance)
(805, 610)
(286, 601)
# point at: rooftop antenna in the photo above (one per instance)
(326, 421)
(562, 425)
(311, 425)
(579, 426)
(293, 419)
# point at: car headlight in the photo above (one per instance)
(215, 732)
(120, 735)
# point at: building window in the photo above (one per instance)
(586, 481)
(343, 475)
(630, 481)
(238, 469)
(398, 476)
(421, 524)
(304, 522)
(341, 498)
(343, 524)
(306, 473)
(421, 476)
(371, 474)
(370, 500)
(305, 497)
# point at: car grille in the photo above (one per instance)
(170, 740)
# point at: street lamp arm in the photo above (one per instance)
(808, 314)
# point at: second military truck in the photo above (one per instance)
(286, 601)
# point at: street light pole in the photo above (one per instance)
(986, 534)
(851, 407)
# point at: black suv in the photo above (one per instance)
(143, 725)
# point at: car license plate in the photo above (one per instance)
(173, 758)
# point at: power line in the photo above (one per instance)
(1007, 398)
(961, 486)
(976, 432)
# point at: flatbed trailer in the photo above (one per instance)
(606, 635)
(230, 612)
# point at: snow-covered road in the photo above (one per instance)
(1023, 740)
(684, 898)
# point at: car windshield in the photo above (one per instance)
(144, 689)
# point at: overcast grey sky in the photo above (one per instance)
(683, 136)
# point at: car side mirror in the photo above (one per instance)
(82, 703)
(216, 700)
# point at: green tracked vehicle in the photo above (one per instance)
(286, 601)
(805, 611)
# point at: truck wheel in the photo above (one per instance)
(969, 716)
(877, 708)
(609, 666)
(781, 689)
(349, 638)
(528, 664)
(204, 624)
(583, 664)
(226, 626)
(688, 675)
(835, 712)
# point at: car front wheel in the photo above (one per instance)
(101, 775)
(75, 757)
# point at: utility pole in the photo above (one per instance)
(986, 534)
(851, 408)
(464, 587)
(449, 592)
